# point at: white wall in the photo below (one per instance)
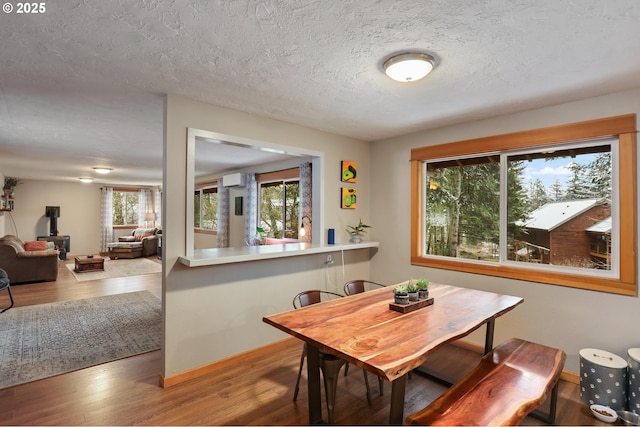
(79, 213)
(205, 320)
(570, 319)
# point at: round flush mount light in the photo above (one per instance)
(102, 170)
(409, 67)
(86, 180)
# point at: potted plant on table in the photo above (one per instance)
(400, 294)
(357, 231)
(423, 288)
(412, 290)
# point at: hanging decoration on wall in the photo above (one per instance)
(348, 200)
(348, 171)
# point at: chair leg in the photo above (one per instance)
(331, 370)
(346, 370)
(302, 357)
(10, 297)
(366, 383)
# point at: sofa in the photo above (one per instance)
(143, 242)
(28, 261)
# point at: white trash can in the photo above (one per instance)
(603, 378)
(634, 379)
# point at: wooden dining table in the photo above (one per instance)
(364, 331)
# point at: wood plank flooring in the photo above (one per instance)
(256, 390)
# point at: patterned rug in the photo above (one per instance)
(119, 268)
(44, 340)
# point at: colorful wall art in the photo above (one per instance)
(348, 171)
(348, 198)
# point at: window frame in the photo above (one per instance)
(278, 177)
(127, 226)
(201, 189)
(621, 127)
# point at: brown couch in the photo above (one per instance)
(27, 266)
(143, 242)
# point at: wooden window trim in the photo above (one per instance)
(622, 127)
(280, 175)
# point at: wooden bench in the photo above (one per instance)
(508, 383)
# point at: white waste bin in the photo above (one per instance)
(634, 379)
(603, 378)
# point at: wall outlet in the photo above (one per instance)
(329, 259)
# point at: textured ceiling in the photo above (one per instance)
(81, 84)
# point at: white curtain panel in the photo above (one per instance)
(251, 214)
(106, 221)
(157, 206)
(146, 205)
(306, 212)
(223, 217)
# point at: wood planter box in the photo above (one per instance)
(413, 305)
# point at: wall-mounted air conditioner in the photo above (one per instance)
(234, 180)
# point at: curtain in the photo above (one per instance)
(157, 205)
(106, 221)
(251, 214)
(223, 217)
(146, 208)
(306, 211)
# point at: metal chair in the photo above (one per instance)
(5, 284)
(329, 364)
(358, 286)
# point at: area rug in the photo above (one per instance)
(119, 268)
(44, 340)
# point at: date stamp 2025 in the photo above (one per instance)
(24, 8)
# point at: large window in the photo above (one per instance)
(205, 208)
(554, 205)
(279, 204)
(125, 208)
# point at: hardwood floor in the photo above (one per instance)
(254, 389)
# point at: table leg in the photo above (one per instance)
(313, 384)
(398, 387)
(488, 339)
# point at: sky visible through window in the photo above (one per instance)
(548, 171)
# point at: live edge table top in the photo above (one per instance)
(364, 331)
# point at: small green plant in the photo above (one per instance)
(423, 284)
(10, 182)
(400, 290)
(412, 286)
(358, 229)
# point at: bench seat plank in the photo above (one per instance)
(508, 383)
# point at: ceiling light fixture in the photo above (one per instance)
(409, 67)
(102, 170)
(86, 180)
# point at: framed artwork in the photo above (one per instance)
(348, 171)
(348, 199)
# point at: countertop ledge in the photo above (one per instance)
(218, 256)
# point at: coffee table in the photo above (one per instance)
(84, 264)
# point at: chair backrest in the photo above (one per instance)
(358, 286)
(306, 298)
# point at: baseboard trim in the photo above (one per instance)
(172, 380)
